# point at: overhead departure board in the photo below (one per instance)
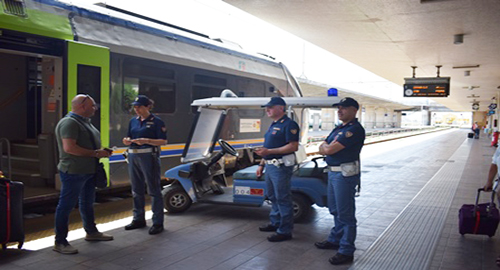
(427, 87)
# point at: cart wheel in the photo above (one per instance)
(20, 245)
(301, 206)
(175, 199)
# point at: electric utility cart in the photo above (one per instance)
(201, 178)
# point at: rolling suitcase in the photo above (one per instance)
(11, 212)
(479, 218)
(470, 135)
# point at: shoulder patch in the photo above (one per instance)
(293, 131)
(348, 134)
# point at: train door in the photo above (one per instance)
(87, 72)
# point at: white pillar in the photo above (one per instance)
(328, 118)
(398, 116)
(381, 118)
(370, 117)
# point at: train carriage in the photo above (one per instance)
(52, 50)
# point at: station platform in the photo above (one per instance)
(407, 216)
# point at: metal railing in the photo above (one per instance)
(9, 164)
(374, 136)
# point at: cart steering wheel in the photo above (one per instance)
(227, 148)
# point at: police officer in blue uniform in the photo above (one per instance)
(281, 141)
(146, 133)
(342, 149)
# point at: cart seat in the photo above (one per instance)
(305, 170)
(309, 168)
(248, 173)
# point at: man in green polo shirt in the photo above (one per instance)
(77, 168)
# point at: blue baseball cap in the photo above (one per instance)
(275, 101)
(347, 102)
(141, 100)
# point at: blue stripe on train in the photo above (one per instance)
(178, 152)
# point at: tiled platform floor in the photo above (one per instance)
(226, 237)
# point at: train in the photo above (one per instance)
(52, 50)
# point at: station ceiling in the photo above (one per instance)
(315, 89)
(387, 37)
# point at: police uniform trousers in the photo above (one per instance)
(144, 168)
(342, 205)
(278, 191)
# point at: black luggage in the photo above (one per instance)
(11, 212)
(470, 135)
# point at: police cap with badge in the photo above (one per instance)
(347, 102)
(141, 100)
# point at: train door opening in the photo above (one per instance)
(30, 102)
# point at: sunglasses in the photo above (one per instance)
(83, 100)
(88, 97)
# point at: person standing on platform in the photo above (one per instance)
(146, 134)
(490, 181)
(342, 149)
(281, 141)
(476, 129)
(77, 168)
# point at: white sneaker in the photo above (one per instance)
(98, 236)
(65, 248)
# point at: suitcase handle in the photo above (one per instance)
(492, 203)
(5, 180)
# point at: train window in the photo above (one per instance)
(251, 88)
(161, 92)
(148, 70)
(130, 92)
(206, 86)
(203, 79)
(151, 78)
(89, 82)
(204, 92)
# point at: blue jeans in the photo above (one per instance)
(342, 206)
(75, 187)
(144, 168)
(278, 191)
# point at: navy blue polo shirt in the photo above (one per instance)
(350, 135)
(280, 133)
(151, 128)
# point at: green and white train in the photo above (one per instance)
(52, 50)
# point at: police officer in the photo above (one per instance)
(146, 133)
(342, 148)
(281, 141)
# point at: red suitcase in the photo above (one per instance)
(479, 218)
(11, 212)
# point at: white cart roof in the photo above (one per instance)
(231, 102)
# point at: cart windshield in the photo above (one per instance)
(205, 132)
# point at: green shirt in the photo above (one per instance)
(71, 128)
